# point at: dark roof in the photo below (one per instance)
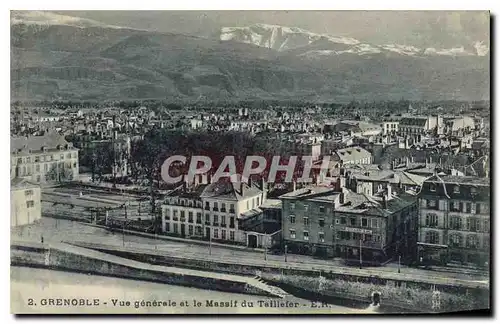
(413, 121)
(36, 143)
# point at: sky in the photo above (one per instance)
(418, 28)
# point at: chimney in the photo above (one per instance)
(263, 186)
(294, 186)
(341, 198)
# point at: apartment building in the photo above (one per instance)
(454, 221)
(421, 125)
(212, 211)
(25, 204)
(44, 158)
(335, 222)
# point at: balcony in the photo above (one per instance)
(232, 211)
(223, 210)
(207, 223)
(207, 208)
(216, 209)
(223, 225)
(198, 221)
(231, 225)
(215, 224)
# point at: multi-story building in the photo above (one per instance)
(389, 127)
(43, 158)
(25, 205)
(340, 223)
(213, 211)
(352, 155)
(421, 125)
(454, 221)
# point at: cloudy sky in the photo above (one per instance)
(420, 28)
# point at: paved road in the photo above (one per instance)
(64, 230)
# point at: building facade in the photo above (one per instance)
(454, 221)
(47, 158)
(25, 202)
(340, 223)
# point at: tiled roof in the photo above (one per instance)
(35, 143)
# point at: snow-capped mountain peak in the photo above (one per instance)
(315, 45)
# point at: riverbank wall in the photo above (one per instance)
(77, 259)
(262, 268)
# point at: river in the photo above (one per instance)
(39, 287)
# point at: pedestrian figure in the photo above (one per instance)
(41, 238)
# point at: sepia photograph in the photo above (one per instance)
(250, 162)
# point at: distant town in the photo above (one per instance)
(411, 185)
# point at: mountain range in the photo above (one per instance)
(55, 56)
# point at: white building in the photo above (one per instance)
(25, 202)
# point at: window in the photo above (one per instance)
(183, 216)
(374, 223)
(431, 203)
(455, 240)
(306, 221)
(176, 228)
(364, 222)
(231, 208)
(231, 222)
(431, 220)
(61, 157)
(28, 192)
(253, 203)
(45, 167)
(30, 203)
(28, 160)
(321, 222)
(198, 218)
(343, 220)
(472, 241)
(473, 191)
(216, 207)
(455, 206)
(292, 234)
(216, 233)
(306, 207)
(432, 237)
(321, 209)
(337, 221)
(207, 219)
(486, 243)
(473, 224)
(486, 225)
(223, 220)
(352, 221)
(306, 236)
(167, 227)
(207, 205)
(321, 237)
(175, 216)
(292, 205)
(223, 207)
(258, 201)
(191, 230)
(292, 219)
(456, 223)
(231, 235)
(468, 208)
(456, 189)
(190, 217)
(478, 208)
(432, 187)
(216, 220)
(223, 234)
